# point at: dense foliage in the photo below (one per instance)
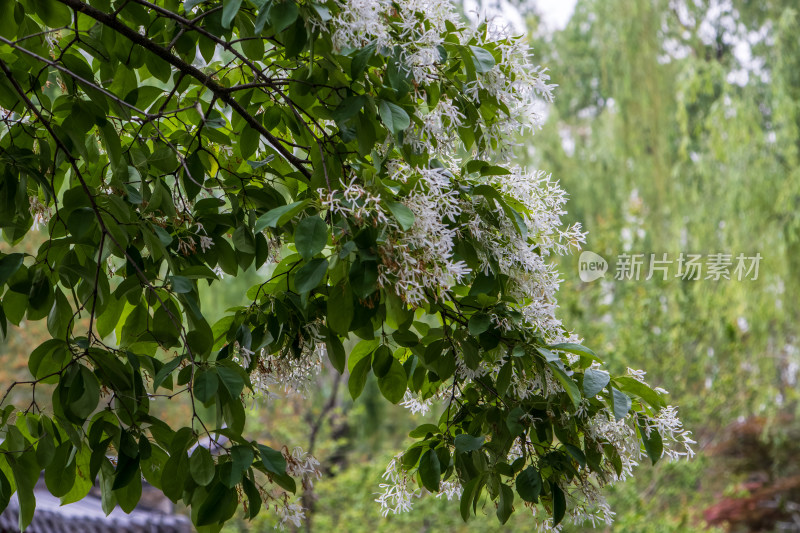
(359, 155)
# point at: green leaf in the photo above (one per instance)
(358, 377)
(394, 117)
(382, 360)
(424, 430)
(467, 443)
(576, 454)
(205, 385)
(82, 395)
(361, 59)
(403, 215)
(248, 141)
(559, 504)
(273, 460)
(621, 403)
(363, 277)
(280, 215)
(261, 19)
(15, 306)
(430, 471)
(405, 338)
(594, 381)
(653, 443)
(127, 470)
(5, 491)
(26, 474)
(188, 5)
(58, 321)
(479, 323)
(83, 481)
(282, 15)
(212, 510)
(529, 484)
(336, 353)
(241, 459)
(393, 384)
(174, 474)
(548, 355)
(482, 58)
(253, 497)
(53, 14)
(59, 475)
(47, 359)
(310, 275)
(193, 180)
(637, 388)
(468, 496)
(180, 284)
(568, 383)
(45, 450)
(340, 309)
(505, 504)
(362, 350)
(243, 240)
(231, 379)
(296, 38)
(130, 494)
(310, 237)
(165, 371)
(577, 349)
(349, 107)
(229, 10)
(9, 264)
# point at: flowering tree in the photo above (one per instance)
(359, 154)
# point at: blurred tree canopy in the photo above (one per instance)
(676, 131)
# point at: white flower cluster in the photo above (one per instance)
(206, 242)
(422, 257)
(40, 212)
(677, 440)
(440, 125)
(417, 30)
(286, 371)
(302, 465)
(415, 403)
(289, 513)
(516, 83)
(396, 495)
(534, 280)
(589, 505)
(603, 428)
(450, 489)
(356, 203)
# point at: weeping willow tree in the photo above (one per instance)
(676, 131)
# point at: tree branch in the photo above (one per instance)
(189, 70)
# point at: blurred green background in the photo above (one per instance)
(676, 129)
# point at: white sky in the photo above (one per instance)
(556, 13)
